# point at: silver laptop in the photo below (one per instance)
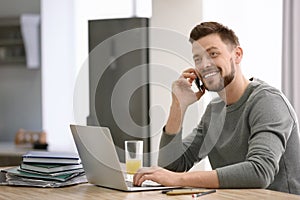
(100, 160)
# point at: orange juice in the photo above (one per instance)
(133, 165)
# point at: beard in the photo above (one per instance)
(223, 81)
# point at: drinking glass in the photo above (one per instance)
(133, 155)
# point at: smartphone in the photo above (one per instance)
(199, 84)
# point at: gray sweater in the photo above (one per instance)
(253, 143)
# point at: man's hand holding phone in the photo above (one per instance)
(182, 97)
(182, 88)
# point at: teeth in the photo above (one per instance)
(210, 74)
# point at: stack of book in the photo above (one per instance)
(47, 169)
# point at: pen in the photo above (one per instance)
(181, 191)
(203, 193)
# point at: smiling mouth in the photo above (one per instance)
(210, 74)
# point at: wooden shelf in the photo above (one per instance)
(11, 42)
(13, 60)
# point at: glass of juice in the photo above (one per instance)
(133, 155)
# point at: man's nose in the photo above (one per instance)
(206, 62)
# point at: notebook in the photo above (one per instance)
(100, 160)
(50, 157)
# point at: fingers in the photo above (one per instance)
(138, 176)
(189, 70)
(143, 174)
(143, 178)
(182, 89)
(189, 74)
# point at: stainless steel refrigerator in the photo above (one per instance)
(119, 80)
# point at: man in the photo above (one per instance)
(250, 133)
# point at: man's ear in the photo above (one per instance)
(238, 54)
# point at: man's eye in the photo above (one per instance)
(197, 61)
(213, 54)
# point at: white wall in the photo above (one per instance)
(258, 24)
(58, 71)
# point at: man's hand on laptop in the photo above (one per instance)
(158, 175)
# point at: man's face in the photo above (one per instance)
(214, 62)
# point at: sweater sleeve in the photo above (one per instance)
(180, 155)
(260, 167)
(270, 124)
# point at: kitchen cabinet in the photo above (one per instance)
(12, 51)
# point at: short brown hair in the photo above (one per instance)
(206, 28)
